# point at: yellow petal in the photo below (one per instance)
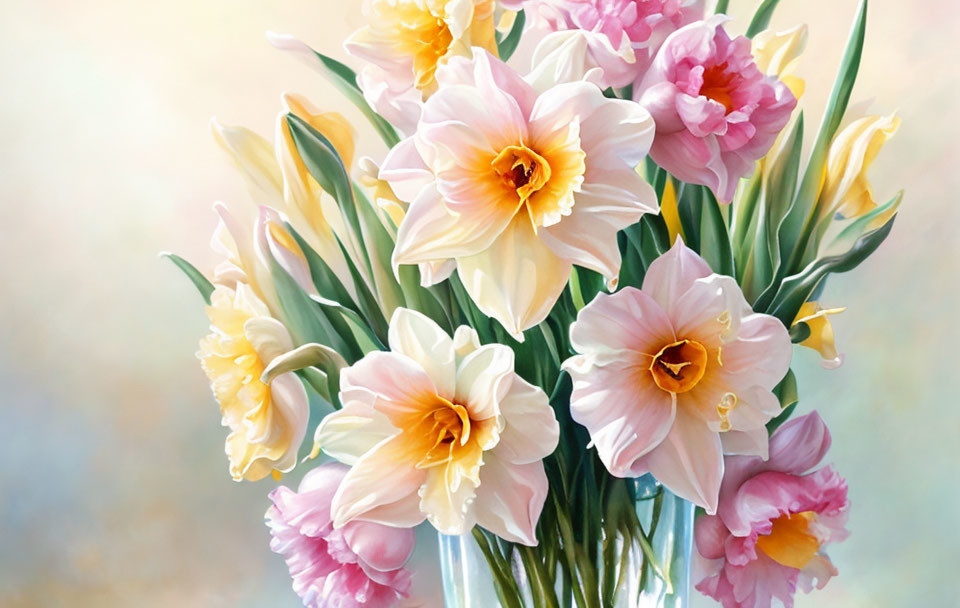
(668, 208)
(846, 188)
(821, 337)
(778, 54)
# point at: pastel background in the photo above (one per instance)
(113, 485)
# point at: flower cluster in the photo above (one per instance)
(569, 291)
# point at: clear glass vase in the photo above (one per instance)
(645, 569)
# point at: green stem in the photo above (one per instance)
(503, 581)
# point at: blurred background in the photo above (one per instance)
(114, 488)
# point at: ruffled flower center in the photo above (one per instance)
(791, 542)
(445, 429)
(679, 366)
(522, 170)
(718, 84)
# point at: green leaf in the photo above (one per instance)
(787, 393)
(307, 356)
(800, 221)
(508, 45)
(744, 208)
(714, 238)
(796, 290)
(799, 332)
(722, 6)
(379, 246)
(199, 281)
(761, 18)
(857, 227)
(307, 321)
(345, 80)
(326, 166)
(690, 208)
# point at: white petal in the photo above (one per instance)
(268, 337)
(349, 433)
(516, 280)
(418, 337)
(531, 432)
(510, 499)
(384, 477)
(483, 379)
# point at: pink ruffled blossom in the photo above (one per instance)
(623, 35)
(671, 377)
(357, 565)
(716, 112)
(774, 519)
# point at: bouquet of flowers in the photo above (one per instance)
(555, 322)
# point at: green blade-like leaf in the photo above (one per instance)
(857, 227)
(508, 45)
(345, 80)
(326, 166)
(761, 18)
(690, 209)
(307, 321)
(788, 395)
(796, 289)
(199, 281)
(800, 221)
(714, 238)
(721, 8)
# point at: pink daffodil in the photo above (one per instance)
(716, 112)
(774, 519)
(357, 565)
(672, 376)
(518, 183)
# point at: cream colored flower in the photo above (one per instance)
(442, 429)
(407, 40)
(267, 422)
(821, 337)
(846, 188)
(518, 184)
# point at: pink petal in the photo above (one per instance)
(689, 462)
(400, 384)
(710, 535)
(431, 232)
(379, 547)
(799, 445)
(405, 171)
(629, 320)
(627, 414)
(672, 274)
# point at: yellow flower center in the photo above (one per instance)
(790, 542)
(678, 367)
(445, 427)
(522, 170)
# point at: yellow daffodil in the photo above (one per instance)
(821, 332)
(267, 421)
(405, 42)
(846, 188)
